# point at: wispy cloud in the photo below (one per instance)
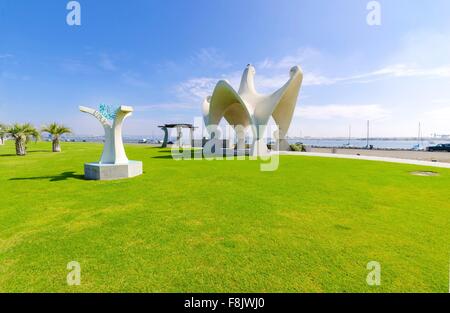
(196, 88)
(13, 76)
(89, 63)
(302, 55)
(6, 56)
(201, 87)
(107, 63)
(134, 79)
(272, 74)
(343, 111)
(428, 62)
(399, 71)
(165, 106)
(388, 72)
(75, 66)
(210, 57)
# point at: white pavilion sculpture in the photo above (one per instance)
(249, 109)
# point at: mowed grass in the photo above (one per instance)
(220, 226)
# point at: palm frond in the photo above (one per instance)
(26, 130)
(55, 129)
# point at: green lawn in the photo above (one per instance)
(220, 226)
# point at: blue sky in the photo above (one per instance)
(163, 57)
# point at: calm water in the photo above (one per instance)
(389, 144)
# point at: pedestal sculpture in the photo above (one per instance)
(246, 108)
(114, 163)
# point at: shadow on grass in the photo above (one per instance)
(21, 156)
(170, 156)
(183, 157)
(163, 157)
(34, 151)
(60, 177)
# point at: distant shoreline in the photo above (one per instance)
(132, 138)
(395, 144)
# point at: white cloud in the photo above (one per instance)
(441, 101)
(439, 114)
(341, 111)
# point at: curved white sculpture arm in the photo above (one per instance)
(248, 108)
(225, 102)
(113, 150)
(103, 120)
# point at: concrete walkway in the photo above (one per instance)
(369, 158)
(391, 153)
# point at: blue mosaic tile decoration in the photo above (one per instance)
(108, 111)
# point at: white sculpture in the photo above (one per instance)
(114, 162)
(248, 108)
(113, 151)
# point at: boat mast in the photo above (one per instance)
(349, 133)
(419, 137)
(368, 133)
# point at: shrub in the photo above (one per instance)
(298, 147)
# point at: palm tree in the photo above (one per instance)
(56, 131)
(2, 133)
(22, 134)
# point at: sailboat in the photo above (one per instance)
(419, 146)
(348, 144)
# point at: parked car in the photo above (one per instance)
(440, 147)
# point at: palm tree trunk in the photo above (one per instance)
(20, 147)
(55, 145)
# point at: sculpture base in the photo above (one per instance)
(259, 148)
(97, 171)
(283, 145)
